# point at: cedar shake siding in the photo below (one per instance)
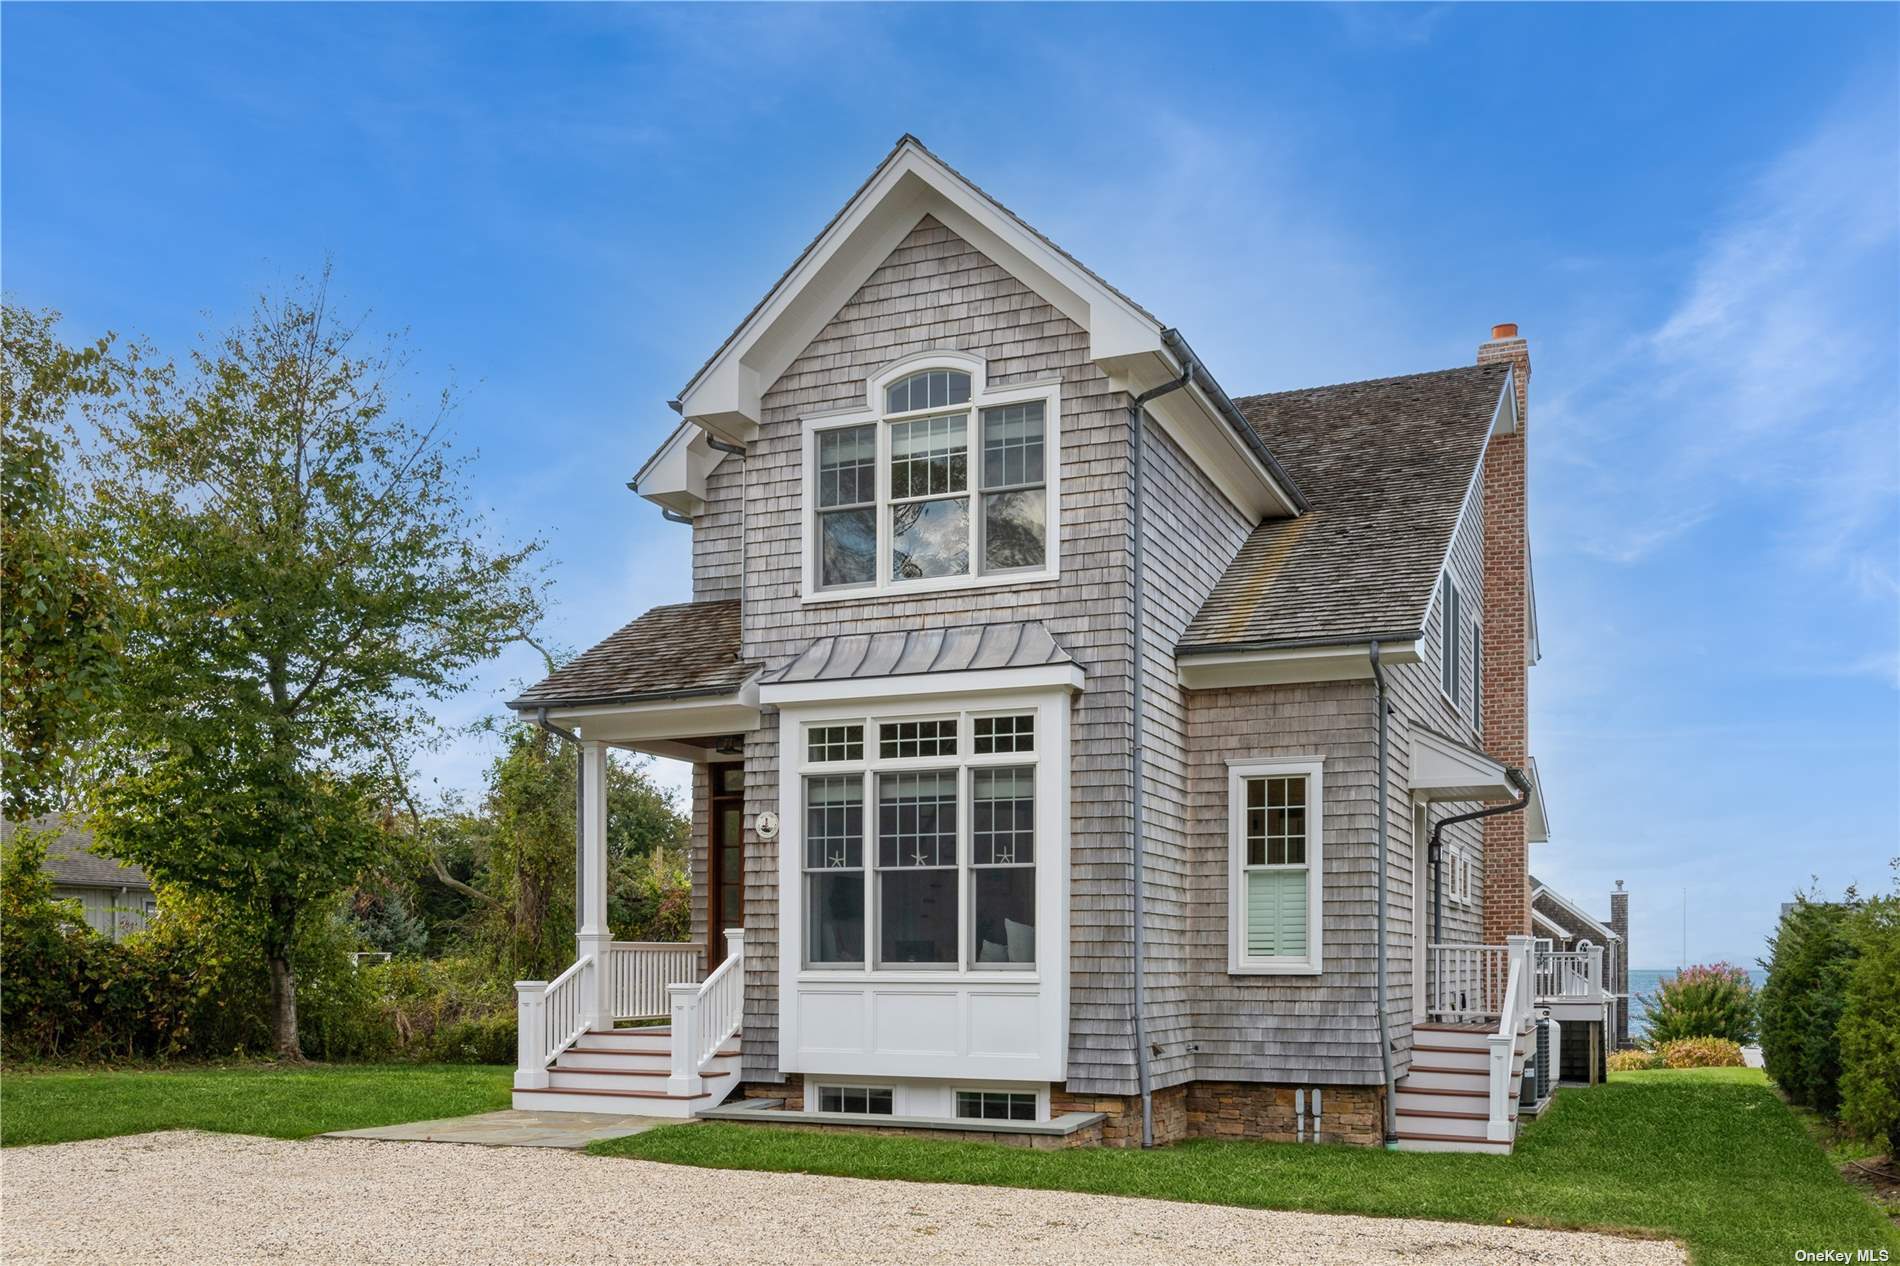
(1190, 532)
(935, 292)
(1302, 1030)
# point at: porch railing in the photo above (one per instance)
(548, 1018)
(1515, 1006)
(1467, 982)
(706, 1015)
(639, 973)
(1576, 974)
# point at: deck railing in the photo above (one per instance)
(1572, 974)
(639, 972)
(1467, 982)
(1515, 1006)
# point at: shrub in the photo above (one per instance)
(1810, 960)
(1870, 1027)
(1635, 1059)
(1716, 1000)
(490, 1040)
(1701, 1052)
(427, 1005)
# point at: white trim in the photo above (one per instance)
(725, 396)
(1536, 816)
(1445, 769)
(971, 682)
(871, 413)
(1583, 916)
(979, 1024)
(1507, 400)
(639, 722)
(1562, 933)
(1239, 962)
(1284, 665)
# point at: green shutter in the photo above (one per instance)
(1276, 913)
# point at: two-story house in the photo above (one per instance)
(1082, 753)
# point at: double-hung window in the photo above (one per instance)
(920, 845)
(943, 483)
(1275, 835)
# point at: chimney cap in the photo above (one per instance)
(1507, 329)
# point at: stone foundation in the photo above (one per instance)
(1197, 1110)
(1250, 1110)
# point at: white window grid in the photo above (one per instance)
(963, 763)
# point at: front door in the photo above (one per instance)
(725, 858)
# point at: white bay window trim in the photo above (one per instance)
(970, 1020)
(1240, 961)
(874, 414)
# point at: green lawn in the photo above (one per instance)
(58, 1106)
(1710, 1157)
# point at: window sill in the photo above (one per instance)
(1301, 968)
(941, 584)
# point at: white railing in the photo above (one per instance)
(1575, 974)
(639, 972)
(1514, 1012)
(1467, 982)
(706, 1015)
(549, 1016)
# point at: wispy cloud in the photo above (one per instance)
(1773, 373)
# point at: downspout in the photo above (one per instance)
(580, 811)
(1136, 411)
(1385, 1023)
(1517, 779)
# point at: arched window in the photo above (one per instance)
(944, 483)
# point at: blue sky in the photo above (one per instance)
(1690, 210)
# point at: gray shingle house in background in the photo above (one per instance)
(115, 898)
(1082, 754)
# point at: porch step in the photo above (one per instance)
(1420, 1141)
(1434, 1077)
(1440, 1114)
(619, 1058)
(645, 1103)
(635, 1080)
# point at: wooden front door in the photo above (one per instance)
(725, 857)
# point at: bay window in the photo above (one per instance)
(943, 482)
(1275, 831)
(951, 880)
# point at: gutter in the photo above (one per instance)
(1385, 1023)
(1295, 643)
(1136, 412)
(1194, 371)
(1517, 779)
(580, 809)
(602, 701)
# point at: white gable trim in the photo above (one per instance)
(1570, 908)
(724, 397)
(1278, 666)
(1443, 769)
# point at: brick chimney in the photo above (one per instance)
(1620, 924)
(1507, 897)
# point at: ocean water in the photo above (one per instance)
(1643, 981)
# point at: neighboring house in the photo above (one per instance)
(1598, 947)
(1034, 688)
(117, 899)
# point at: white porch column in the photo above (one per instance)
(683, 1068)
(594, 939)
(1523, 952)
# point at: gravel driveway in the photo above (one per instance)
(184, 1196)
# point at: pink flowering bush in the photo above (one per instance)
(1710, 1000)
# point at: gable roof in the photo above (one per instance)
(1569, 909)
(71, 864)
(1387, 465)
(685, 650)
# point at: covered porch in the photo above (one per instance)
(646, 1028)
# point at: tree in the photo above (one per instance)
(1810, 960)
(59, 635)
(1870, 1027)
(1714, 1000)
(306, 578)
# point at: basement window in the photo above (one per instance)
(866, 1100)
(996, 1105)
